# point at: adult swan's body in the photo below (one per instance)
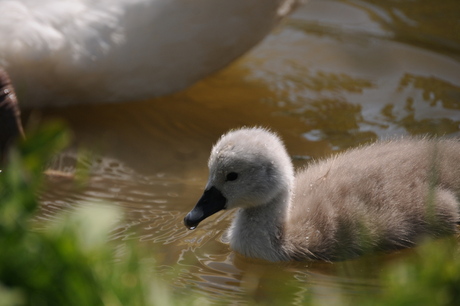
(60, 52)
(384, 196)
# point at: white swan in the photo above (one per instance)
(380, 197)
(59, 52)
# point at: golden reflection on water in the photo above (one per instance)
(335, 75)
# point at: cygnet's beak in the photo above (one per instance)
(211, 202)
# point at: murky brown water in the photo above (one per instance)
(336, 74)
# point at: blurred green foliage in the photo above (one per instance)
(430, 277)
(71, 262)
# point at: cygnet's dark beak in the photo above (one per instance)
(211, 202)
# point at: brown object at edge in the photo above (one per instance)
(10, 115)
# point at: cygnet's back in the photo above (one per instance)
(381, 197)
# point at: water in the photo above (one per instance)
(336, 74)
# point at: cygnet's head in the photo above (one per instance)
(247, 168)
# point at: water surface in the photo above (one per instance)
(334, 75)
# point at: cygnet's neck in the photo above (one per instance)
(258, 231)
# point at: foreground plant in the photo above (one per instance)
(69, 262)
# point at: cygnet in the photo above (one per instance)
(380, 197)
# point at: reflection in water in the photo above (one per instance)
(431, 107)
(419, 22)
(335, 75)
(434, 90)
(336, 121)
(354, 62)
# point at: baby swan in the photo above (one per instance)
(380, 197)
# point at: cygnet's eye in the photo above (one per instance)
(232, 176)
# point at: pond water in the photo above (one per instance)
(334, 75)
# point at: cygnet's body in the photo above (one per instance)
(380, 197)
(60, 52)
